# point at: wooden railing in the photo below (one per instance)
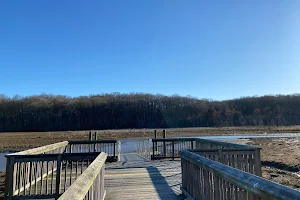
(47, 171)
(245, 159)
(90, 184)
(143, 149)
(213, 144)
(203, 178)
(46, 175)
(17, 177)
(110, 147)
(170, 147)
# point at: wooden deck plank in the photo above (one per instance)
(136, 178)
(143, 180)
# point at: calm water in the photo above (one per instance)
(128, 146)
(3, 160)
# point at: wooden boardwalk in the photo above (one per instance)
(137, 178)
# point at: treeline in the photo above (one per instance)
(120, 111)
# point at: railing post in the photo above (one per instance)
(153, 148)
(90, 135)
(148, 150)
(95, 137)
(220, 156)
(57, 181)
(257, 162)
(164, 143)
(119, 150)
(114, 150)
(155, 135)
(9, 177)
(173, 150)
(192, 144)
(216, 187)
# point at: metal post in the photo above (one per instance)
(95, 135)
(155, 135)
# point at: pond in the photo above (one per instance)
(3, 160)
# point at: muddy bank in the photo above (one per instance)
(280, 159)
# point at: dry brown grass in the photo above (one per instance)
(25, 140)
(280, 158)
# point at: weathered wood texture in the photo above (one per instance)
(20, 175)
(213, 144)
(203, 178)
(52, 148)
(143, 148)
(244, 159)
(47, 174)
(143, 180)
(170, 148)
(110, 147)
(49, 170)
(90, 184)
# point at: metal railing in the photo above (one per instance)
(90, 184)
(203, 178)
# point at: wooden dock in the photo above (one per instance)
(137, 178)
(204, 169)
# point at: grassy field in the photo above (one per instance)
(14, 141)
(280, 159)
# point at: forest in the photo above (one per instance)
(138, 110)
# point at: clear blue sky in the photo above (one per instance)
(208, 49)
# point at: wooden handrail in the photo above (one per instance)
(172, 139)
(42, 149)
(256, 185)
(224, 144)
(218, 149)
(79, 189)
(206, 141)
(91, 141)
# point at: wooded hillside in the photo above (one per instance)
(116, 111)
